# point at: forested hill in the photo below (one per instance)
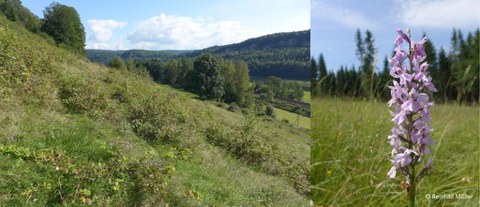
(285, 55)
(104, 56)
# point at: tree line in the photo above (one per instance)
(60, 24)
(455, 74)
(277, 87)
(214, 78)
(210, 77)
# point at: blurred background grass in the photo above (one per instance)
(350, 155)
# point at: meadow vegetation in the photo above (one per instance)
(77, 133)
(350, 155)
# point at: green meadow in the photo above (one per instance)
(350, 155)
(293, 118)
(306, 97)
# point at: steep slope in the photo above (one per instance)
(78, 133)
(284, 55)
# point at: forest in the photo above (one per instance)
(455, 74)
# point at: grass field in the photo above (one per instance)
(306, 97)
(350, 155)
(303, 121)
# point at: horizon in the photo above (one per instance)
(205, 47)
(174, 26)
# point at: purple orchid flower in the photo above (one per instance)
(410, 94)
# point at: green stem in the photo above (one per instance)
(411, 189)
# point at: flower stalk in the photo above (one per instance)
(411, 91)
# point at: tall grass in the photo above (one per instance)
(350, 155)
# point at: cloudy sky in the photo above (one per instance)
(334, 23)
(181, 24)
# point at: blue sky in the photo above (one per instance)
(181, 24)
(334, 23)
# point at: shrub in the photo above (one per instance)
(157, 119)
(117, 62)
(82, 96)
(245, 142)
(269, 111)
(27, 73)
(234, 107)
(66, 182)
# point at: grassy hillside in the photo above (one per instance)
(76, 133)
(350, 155)
(303, 121)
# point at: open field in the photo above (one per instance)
(350, 155)
(303, 122)
(306, 97)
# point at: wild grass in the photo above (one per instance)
(350, 155)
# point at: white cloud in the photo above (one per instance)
(180, 32)
(443, 14)
(341, 15)
(115, 45)
(102, 31)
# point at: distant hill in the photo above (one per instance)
(285, 55)
(104, 56)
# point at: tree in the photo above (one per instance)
(314, 73)
(359, 43)
(385, 80)
(445, 76)
(269, 111)
(242, 82)
(16, 12)
(185, 66)
(228, 73)
(367, 65)
(117, 62)
(11, 9)
(63, 24)
(322, 68)
(431, 59)
(171, 71)
(206, 77)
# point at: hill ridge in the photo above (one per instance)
(285, 54)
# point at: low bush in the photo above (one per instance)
(245, 142)
(82, 96)
(234, 107)
(158, 119)
(66, 182)
(269, 111)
